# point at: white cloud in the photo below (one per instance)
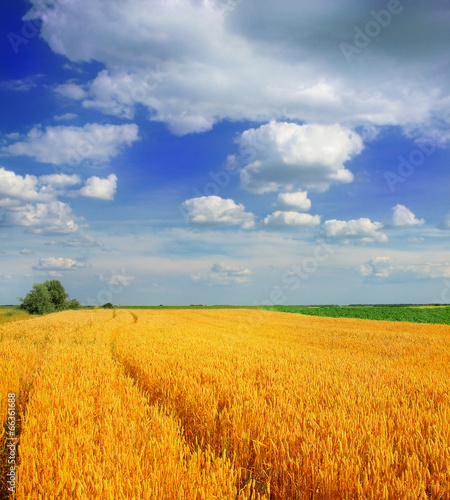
(379, 267)
(30, 202)
(293, 201)
(402, 216)
(363, 230)
(282, 155)
(13, 186)
(102, 189)
(54, 217)
(26, 251)
(65, 117)
(21, 85)
(223, 274)
(119, 279)
(293, 219)
(382, 269)
(71, 145)
(213, 210)
(58, 264)
(71, 90)
(247, 60)
(60, 180)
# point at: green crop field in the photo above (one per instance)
(408, 313)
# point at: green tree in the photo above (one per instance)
(58, 296)
(48, 297)
(73, 304)
(38, 300)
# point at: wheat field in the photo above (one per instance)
(226, 404)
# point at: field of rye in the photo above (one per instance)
(226, 404)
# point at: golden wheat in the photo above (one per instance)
(230, 404)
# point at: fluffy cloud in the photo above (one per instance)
(282, 154)
(195, 62)
(402, 216)
(54, 217)
(30, 202)
(213, 210)
(70, 145)
(378, 267)
(293, 201)
(58, 264)
(16, 187)
(102, 189)
(223, 274)
(363, 230)
(60, 180)
(292, 219)
(119, 279)
(382, 269)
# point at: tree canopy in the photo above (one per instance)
(48, 297)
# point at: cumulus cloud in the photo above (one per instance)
(224, 274)
(379, 267)
(71, 90)
(297, 200)
(54, 217)
(291, 219)
(60, 180)
(362, 230)
(213, 210)
(58, 264)
(30, 201)
(382, 269)
(119, 279)
(281, 155)
(193, 63)
(17, 187)
(102, 189)
(402, 216)
(70, 145)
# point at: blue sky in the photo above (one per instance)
(225, 151)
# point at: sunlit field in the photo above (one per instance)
(226, 404)
(9, 314)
